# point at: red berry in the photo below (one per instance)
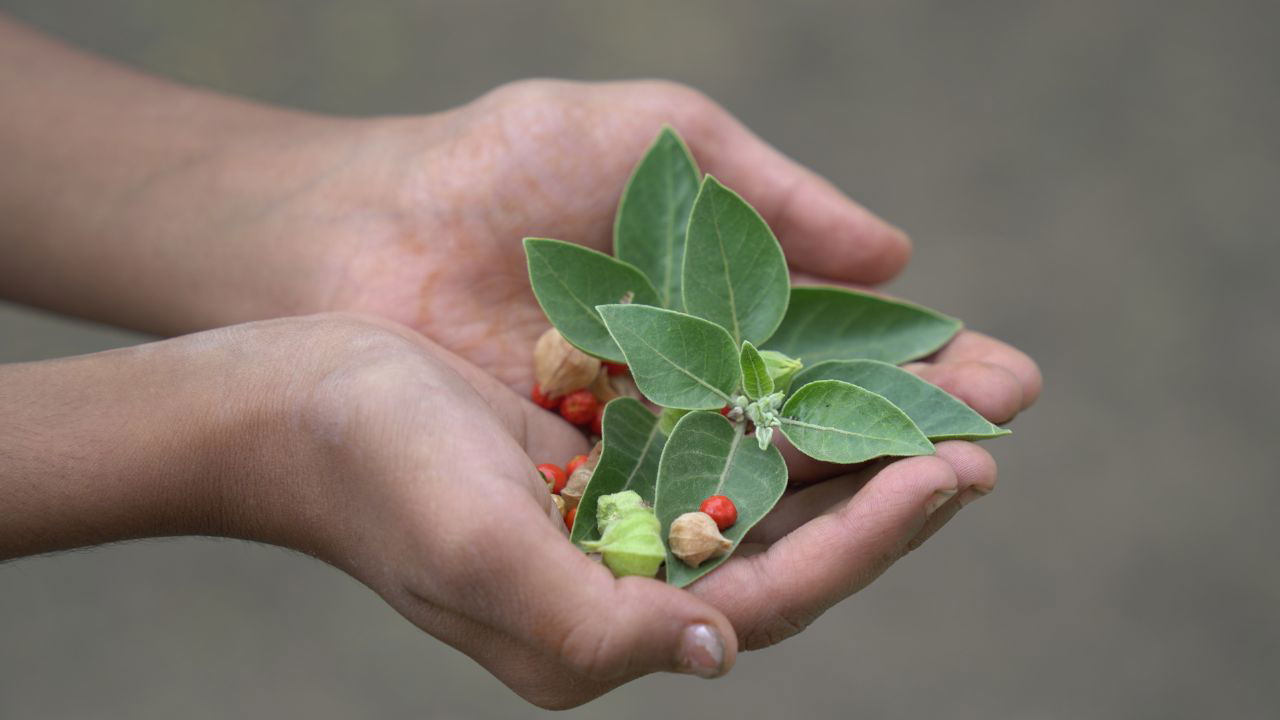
(574, 463)
(554, 475)
(579, 406)
(725, 410)
(616, 368)
(568, 518)
(597, 423)
(542, 400)
(722, 510)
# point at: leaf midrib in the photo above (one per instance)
(640, 339)
(828, 428)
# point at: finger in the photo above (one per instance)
(991, 390)
(528, 581)
(970, 346)
(775, 594)
(802, 469)
(821, 229)
(976, 478)
(801, 506)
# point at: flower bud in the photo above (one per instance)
(781, 368)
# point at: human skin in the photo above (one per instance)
(364, 444)
(134, 201)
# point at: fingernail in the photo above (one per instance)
(937, 500)
(972, 494)
(701, 651)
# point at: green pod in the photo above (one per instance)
(781, 368)
(631, 543)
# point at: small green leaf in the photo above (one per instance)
(938, 414)
(707, 455)
(570, 281)
(734, 273)
(628, 461)
(825, 323)
(756, 382)
(838, 422)
(653, 214)
(677, 360)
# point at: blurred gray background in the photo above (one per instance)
(1093, 181)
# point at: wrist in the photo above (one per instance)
(200, 435)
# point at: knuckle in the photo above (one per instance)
(589, 650)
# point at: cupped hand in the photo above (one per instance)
(421, 219)
(421, 483)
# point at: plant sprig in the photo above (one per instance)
(698, 303)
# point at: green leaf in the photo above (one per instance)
(628, 461)
(756, 381)
(825, 323)
(677, 360)
(838, 422)
(707, 455)
(653, 214)
(734, 273)
(938, 414)
(570, 281)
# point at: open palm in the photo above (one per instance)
(441, 204)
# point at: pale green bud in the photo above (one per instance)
(781, 368)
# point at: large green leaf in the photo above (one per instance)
(633, 445)
(677, 360)
(756, 381)
(938, 414)
(707, 455)
(838, 422)
(734, 272)
(825, 323)
(570, 281)
(653, 214)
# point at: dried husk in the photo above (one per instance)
(578, 479)
(694, 538)
(560, 367)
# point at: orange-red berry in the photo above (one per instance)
(554, 475)
(616, 368)
(574, 463)
(568, 518)
(725, 410)
(542, 400)
(722, 510)
(579, 407)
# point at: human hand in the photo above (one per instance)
(419, 219)
(433, 503)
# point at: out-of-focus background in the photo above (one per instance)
(1096, 182)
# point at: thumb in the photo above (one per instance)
(566, 605)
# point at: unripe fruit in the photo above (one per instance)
(555, 476)
(579, 407)
(721, 509)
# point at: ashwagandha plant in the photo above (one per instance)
(698, 303)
